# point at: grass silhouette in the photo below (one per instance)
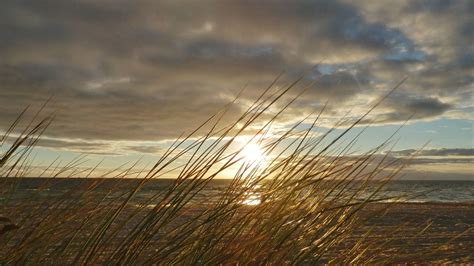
(310, 198)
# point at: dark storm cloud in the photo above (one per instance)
(150, 70)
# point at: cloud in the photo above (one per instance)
(148, 71)
(146, 149)
(435, 152)
(447, 160)
(403, 106)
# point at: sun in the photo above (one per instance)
(253, 153)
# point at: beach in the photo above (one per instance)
(393, 233)
(429, 233)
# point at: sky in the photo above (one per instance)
(127, 77)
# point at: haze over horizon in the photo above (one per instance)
(127, 77)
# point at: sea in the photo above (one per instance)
(416, 191)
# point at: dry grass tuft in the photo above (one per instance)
(308, 195)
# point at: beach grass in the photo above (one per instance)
(306, 204)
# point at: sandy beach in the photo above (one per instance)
(413, 233)
(429, 232)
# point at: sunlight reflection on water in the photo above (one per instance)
(252, 199)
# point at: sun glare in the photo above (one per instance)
(253, 153)
(252, 201)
